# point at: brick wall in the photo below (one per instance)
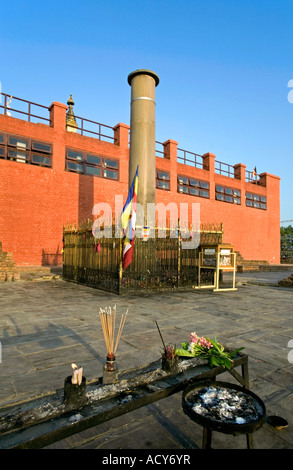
(253, 232)
(36, 201)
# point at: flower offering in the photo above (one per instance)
(206, 348)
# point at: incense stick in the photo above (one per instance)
(122, 323)
(161, 337)
(108, 320)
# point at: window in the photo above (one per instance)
(72, 154)
(162, 180)
(225, 194)
(94, 160)
(183, 180)
(192, 186)
(17, 142)
(184, 189)
(256, 201)
(192, 191)
(204, 193)
(92, 165)
(23, 150)
(40, 147)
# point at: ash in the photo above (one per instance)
(221, 404)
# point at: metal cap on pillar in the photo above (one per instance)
(142, 134)
(143, 72)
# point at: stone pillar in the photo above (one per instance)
(142, 135)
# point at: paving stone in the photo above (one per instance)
(44, 326)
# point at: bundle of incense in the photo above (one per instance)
(108, 318)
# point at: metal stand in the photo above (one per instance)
(211, 422)
(207, 439)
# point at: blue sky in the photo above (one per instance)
(224, 69)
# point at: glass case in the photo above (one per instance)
(209, 257)
(218, 258)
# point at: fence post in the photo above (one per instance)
(178, 255)
(75, 258)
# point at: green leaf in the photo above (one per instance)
(233, 353)
(184, 352)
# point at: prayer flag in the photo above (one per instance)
(128, 218)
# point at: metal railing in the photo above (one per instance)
(86, 126)
(12, 104)
(159, 153)
(224, 169)
(189, 158)
(251, 177)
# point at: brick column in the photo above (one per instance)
(170, 153)
(239, 171)
(240, 174)
(209, 165)
(121, 135)
(58, 122)
(58, 115)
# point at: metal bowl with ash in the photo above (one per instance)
(224, 407)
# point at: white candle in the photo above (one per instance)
(76, 374)
(80, 370)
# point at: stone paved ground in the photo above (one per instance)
(48, 324)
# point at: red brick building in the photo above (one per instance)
(51, 176)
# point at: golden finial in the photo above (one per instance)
(70, 118)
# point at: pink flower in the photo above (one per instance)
(193, 337)
(196, 340)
